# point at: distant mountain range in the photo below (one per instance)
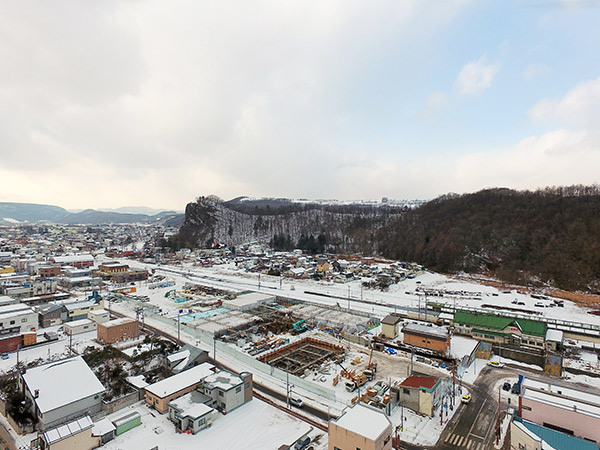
(12, 213)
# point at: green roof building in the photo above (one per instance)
(501, 329)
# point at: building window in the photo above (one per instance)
(12, 322)
(406, 391)
(238, 390)
(247, 384)
(220, 393)
(23, 320)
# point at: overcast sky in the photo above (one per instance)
(112, 103)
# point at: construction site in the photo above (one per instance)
(303, 356)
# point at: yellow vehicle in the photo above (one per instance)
(466, 398)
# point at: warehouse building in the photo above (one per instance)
(117, 330)
(429, 337)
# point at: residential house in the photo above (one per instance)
(17, 318)
(186, 358)
(228, 390)
(61, 391)
(192, 412)
(49, 315)
(360, 427)
(158, 395)
(420, 393)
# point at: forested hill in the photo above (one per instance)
(284, 224)
(549, 236)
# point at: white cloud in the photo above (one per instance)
(580, 107)
(534, 71)
(152, 103)
(434, 103)
(476, 76)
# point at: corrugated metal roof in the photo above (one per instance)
(419, 381)
(558, 440)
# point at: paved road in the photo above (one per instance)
(473, 425)
(6, 440)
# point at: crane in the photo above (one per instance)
(372, 366)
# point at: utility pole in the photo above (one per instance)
(215, 348)
(179, 327)
(348, 298)
(441, 410)
(498, 421)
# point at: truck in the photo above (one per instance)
(356, 381)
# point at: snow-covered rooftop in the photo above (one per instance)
(365, 422)
(180, 381)
(73, 258)
(63, 382)
(554, 335)
(223, 380)
(102, 427)
(562, 397)
(190, 406)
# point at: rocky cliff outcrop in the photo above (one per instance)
(209, 220)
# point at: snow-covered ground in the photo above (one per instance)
(251, 420)
(253, 426)
(47, 352)
(423, 430)
(401, 295)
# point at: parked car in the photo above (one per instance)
(302, 443)
(296, 402)
(4, 355)
(540, 305)
(520, 303)
(466, 398)
(515, 388)
(506, 386)
(515, 302)
(493, 363)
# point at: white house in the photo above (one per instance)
(61, 391)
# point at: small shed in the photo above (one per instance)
(80, 326)
(390, 325)
(104, 430)
(127, 422)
